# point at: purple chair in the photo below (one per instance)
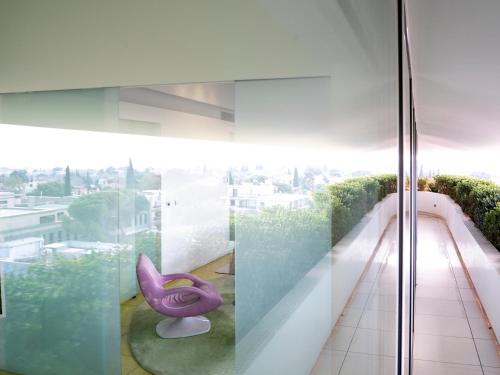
(184, 305)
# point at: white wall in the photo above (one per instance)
(479, 255)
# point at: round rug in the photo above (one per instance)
(211, 353)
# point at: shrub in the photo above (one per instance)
(422, 183)
(492, 225)
(478, 198)
(388, 183)
(350, 200)
(276, 247)
(432, 186)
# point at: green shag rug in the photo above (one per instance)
(209, 354)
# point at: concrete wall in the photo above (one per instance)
(479, 255)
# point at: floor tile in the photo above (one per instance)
(462, 282)
(382, 302)
(364, 287)
(488, 353)
(340, 338)
(431, 306)
(138, 371)
(365, 364)
(329, 363)
(491, 371)
(442, 325)
(445, 349)
(350, 317)
(358, 300)
(377, 319)
(436, 368)
(467, 295)
(480, 329)
(125, 348)
(438, 293)
(369, 341)
(472, 309)
(128, 364)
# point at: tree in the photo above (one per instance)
(130, 179)
(296, 181)
(49, 189)
(230, 179)
(102, 216)
(15, 180)
(149, 181)
(88, 181)
(67, 182)
(283, 188)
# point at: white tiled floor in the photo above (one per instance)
(451, 335)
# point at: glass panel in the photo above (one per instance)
(279, 192)
(59, 261)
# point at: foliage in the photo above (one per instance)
(282, 187)
(275, 248)
(99, 216)
(149, 181)
(131, 182)
(388, 183)
(149, 243)
(296, 179)
(59, 311)
(350, 200)
(49, 189)
(67, 182)
(478, 198)
(257, 179)
(14, 181)
(492, 225)
(422, 183)
(432, 186)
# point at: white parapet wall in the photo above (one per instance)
(481, 258)
(290, 337)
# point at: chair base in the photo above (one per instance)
(172, 328)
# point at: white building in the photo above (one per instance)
(43, 221)
(255, 197)
(30, 247)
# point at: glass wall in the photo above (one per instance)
(278, 190)
(60, 246)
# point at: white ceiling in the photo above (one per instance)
(455, 53)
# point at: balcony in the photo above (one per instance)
(452, 333)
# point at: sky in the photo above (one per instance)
(25, 147)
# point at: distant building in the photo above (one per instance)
(154, 198)
(30, 247)
(255, 197)
(7, 199)
(43, 221)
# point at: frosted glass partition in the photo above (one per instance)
(197, 213)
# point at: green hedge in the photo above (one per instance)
(277, 246)
(352, 199)
(480, 199)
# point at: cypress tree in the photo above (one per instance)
(296, 181)
(130, 179)
(67, 182)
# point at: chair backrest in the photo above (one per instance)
(150, 281)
